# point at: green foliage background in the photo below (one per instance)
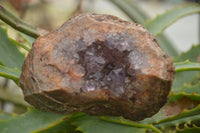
(184, 96)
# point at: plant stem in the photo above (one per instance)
(130, 123)
(17, 23)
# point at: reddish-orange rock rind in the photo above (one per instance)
(98, 64)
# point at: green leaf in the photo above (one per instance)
(4, 116)
(190, 55)
(10, 73)
(121, 120)
(196, 80)
(30, 121)
(179, 96)
(137, 15)
(161, 22)
(155, 118)
(182, 78)
(187, 66)
(187, 77)
(187, 116)
(167, 46)
(20, 44)
(187, 129)
(10, 56)
(63, 126)
(192, 94)
(93, 124)
(190, 91)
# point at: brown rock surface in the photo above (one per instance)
(98, 64)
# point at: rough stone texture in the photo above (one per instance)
(98, 64)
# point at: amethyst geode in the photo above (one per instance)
(98, 64)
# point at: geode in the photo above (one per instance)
(100, 65)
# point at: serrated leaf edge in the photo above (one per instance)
(175, 8)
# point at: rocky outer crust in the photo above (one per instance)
(98, 64)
